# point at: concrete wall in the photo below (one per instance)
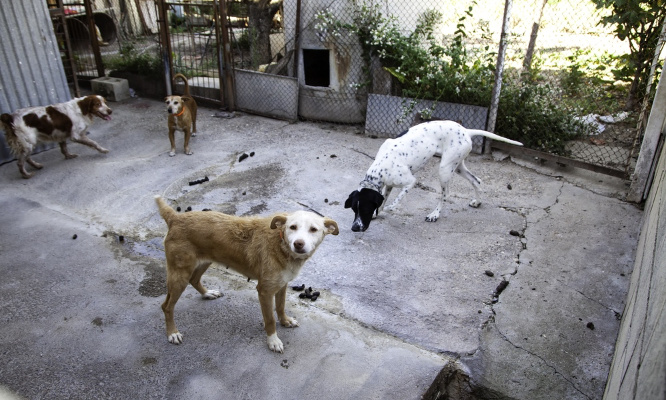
(338, 102)
(638, 370)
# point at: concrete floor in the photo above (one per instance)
(400, 303)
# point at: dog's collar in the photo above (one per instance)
(366, 184)
(180, 113)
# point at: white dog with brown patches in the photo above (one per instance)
(271, 250)
(25, 128)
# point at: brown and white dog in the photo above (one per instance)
(25, 128)
(271, 250)
(182, 116)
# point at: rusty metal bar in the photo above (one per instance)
(90, 17)
(163, 20)
(224, 47)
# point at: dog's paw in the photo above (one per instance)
(175, 338)
(103, 150)
(172, 153)
(474, 203)
(275, 344)
(189, 152)
(194, 134)
(70, 156)
(212, 294)
(289, 322)
(433, 217)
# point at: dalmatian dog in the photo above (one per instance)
(397, 160)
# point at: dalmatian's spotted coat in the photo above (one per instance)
(397, 160)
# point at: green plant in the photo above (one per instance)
(527, 113)
(639, 22)
(428, 68)
(424, 68)
(131, 60)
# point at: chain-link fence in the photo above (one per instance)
(560, 91)
(386, 64)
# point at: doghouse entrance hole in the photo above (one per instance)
(316, 67)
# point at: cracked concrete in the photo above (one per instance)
(407, 308)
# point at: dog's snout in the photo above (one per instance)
(358, 225)
(299, 245)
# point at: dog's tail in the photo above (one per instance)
(490, 135)
(8, 122)
(166, 212)
(187, 85)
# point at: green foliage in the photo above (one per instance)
(526, 113)
(639, 22)
(131, 60)
(588, 83)
(177, 24)
(424, 67)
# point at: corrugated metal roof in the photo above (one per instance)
(32, 73)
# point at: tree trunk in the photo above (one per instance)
(527, 62)
(260, 16)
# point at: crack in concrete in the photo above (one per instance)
(618, 314)
(573, 385)
(505, 283)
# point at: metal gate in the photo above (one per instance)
(211, 44)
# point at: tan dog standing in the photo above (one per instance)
(271, 250)
(182, 116)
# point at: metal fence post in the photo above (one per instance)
(163, 19)
(93, 38)
(225, 59)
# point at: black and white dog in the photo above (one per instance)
(397, 160)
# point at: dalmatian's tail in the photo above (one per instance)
(490, 135)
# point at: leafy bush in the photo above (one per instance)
(526, 113)
(131, 60)
(428, 68)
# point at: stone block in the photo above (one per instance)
(113, 89)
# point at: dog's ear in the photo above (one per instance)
(352, 195)
(87, 104)
(7, 119)
(378, 199)
(331, 226)
(278, 221)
